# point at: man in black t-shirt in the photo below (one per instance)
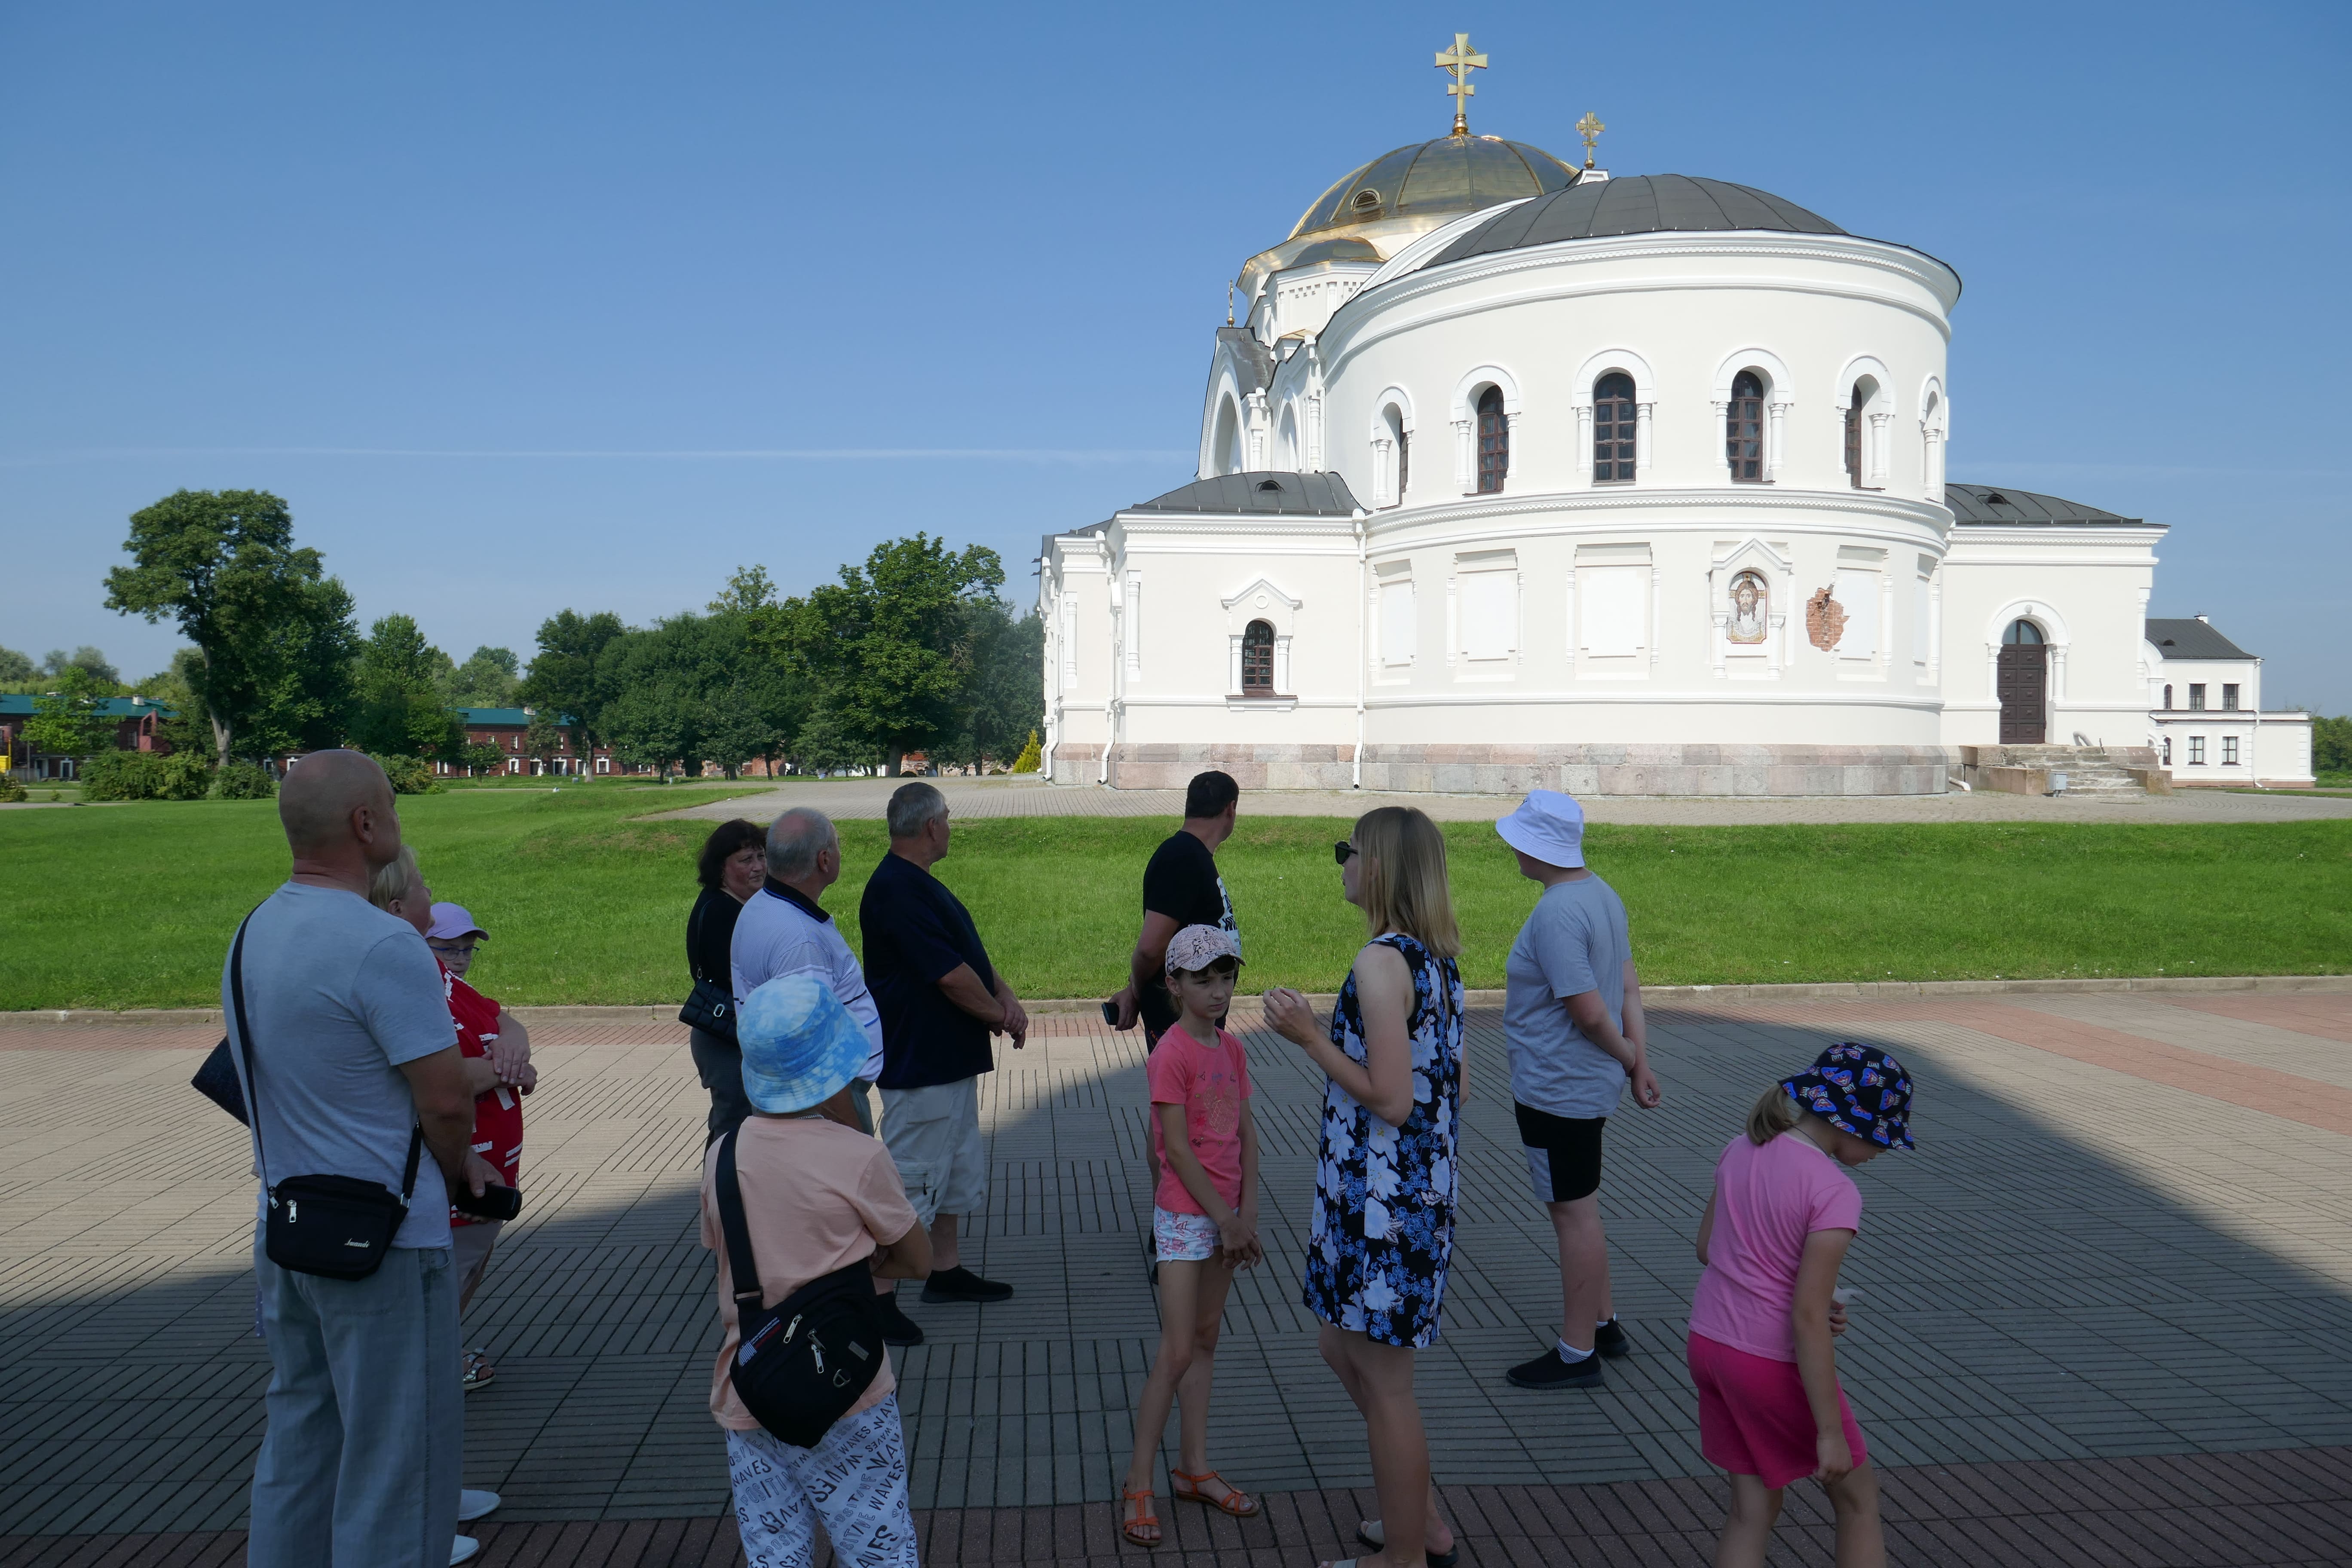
(1180, 887)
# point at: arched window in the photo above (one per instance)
(1853, 437)
(2167, 699)
(1612, 430)
(1390, 487)
(1404, 463)
(1494, 442)
(1743, 429)
(1257, 660)
(2022, 633)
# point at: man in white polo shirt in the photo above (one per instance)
(782, 929)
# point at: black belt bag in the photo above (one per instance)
(800, 1364)
(711, 1007)
(338, 1228)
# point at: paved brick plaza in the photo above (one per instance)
(2104, 1314)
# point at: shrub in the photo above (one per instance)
(1032, 756)
(243, 781)
(146, 775)
(409, 775)
(11, 792)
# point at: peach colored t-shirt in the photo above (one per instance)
(1210, 1083)
(817, 1196)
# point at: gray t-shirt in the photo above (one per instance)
(1575, 941)
(339, 994)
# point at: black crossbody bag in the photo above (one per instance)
(338, 1228)
(801, 1364)
(711, 1007)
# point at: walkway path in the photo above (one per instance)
(854, 798)
(2105, 1304)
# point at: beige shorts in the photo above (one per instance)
(933, 1136)
(471, 1248)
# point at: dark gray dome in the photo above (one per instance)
(1638, 203)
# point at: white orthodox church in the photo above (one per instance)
(1515, 474)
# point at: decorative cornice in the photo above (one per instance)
(1725, 499)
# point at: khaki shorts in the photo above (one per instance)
(933, 1136)
(471, 1248)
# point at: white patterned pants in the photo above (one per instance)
(854, 1483)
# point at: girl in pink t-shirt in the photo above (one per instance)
(1204, 1222)
(1770, 1409)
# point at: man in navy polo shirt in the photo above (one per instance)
(939, 1000)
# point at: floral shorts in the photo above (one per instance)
(1182, 1238)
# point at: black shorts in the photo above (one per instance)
(1563, 1153)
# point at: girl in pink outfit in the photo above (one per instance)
(1770, 1410)
(1204, 1222)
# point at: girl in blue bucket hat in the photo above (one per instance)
(1784, 1210)
(818, 1195)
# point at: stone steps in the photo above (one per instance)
(2091, 770)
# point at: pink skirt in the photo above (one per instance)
(1753, 1417)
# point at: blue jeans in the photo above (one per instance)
(359, 1463)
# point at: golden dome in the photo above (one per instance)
(1443, 178)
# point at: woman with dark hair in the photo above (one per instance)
(734, 863)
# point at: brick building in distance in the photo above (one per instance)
(137, 721)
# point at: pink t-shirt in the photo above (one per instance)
(1210, 1083)
(1767, 1200)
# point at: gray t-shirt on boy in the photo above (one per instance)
(1575, 941)
(339, 994)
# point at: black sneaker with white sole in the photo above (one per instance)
(1611, 1340)
(1548, 1371)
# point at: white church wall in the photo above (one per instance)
(2087, 589)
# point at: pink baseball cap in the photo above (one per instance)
(451, 921)
(1196, 947)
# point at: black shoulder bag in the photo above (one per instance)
(800, 1366)
(338, 1228)
(711, 1007)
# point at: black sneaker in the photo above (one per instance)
(1548, 1371)
(1611, 1340)
(960, 1284)
(897, 1328)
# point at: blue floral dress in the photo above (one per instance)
(1384, 1196)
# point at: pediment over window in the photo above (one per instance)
(1273, 591)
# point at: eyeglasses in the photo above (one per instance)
(1341, 850)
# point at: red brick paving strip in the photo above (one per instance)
(2326, 1015)
(2287, 1508)
(2298, 1098)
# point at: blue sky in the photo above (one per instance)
(535, 305)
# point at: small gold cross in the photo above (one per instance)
(1591, 128)
(1461, 61)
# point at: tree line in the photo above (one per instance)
(912, 651)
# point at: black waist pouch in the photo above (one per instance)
(338, 1228)
(801, 1364)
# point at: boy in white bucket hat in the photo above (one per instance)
(818, 1195)
(1572, 1018)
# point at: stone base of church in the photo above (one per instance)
(1580, 769)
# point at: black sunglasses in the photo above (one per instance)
(1341, 850)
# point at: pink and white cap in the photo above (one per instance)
(1196, 947)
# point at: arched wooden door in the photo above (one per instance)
(2023, 686)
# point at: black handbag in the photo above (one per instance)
(216, 1081)
(711, 1007)
(338, 1228)
(801, 1364)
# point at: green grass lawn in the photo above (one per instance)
(131, 906)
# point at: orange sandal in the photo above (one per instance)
(1138, 1519)
(1235, 1504)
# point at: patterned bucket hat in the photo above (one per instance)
(801, 1047)
(1196, 947)
(1860, 1090)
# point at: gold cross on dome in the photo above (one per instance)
(1461, 60)
(1590, 128)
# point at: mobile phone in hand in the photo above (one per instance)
(1110, 1014)
(496, 1203)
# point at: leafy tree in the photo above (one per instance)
(542, 739)
(488, 679)
(1004, 699)
(274, 631)
(179, 727)
(748, 593)
(66, 721)
(399, 709)
(481, 757)
(85, 658)
(16, 669)
(569, 677)
(2331, 744)
(889, 648)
